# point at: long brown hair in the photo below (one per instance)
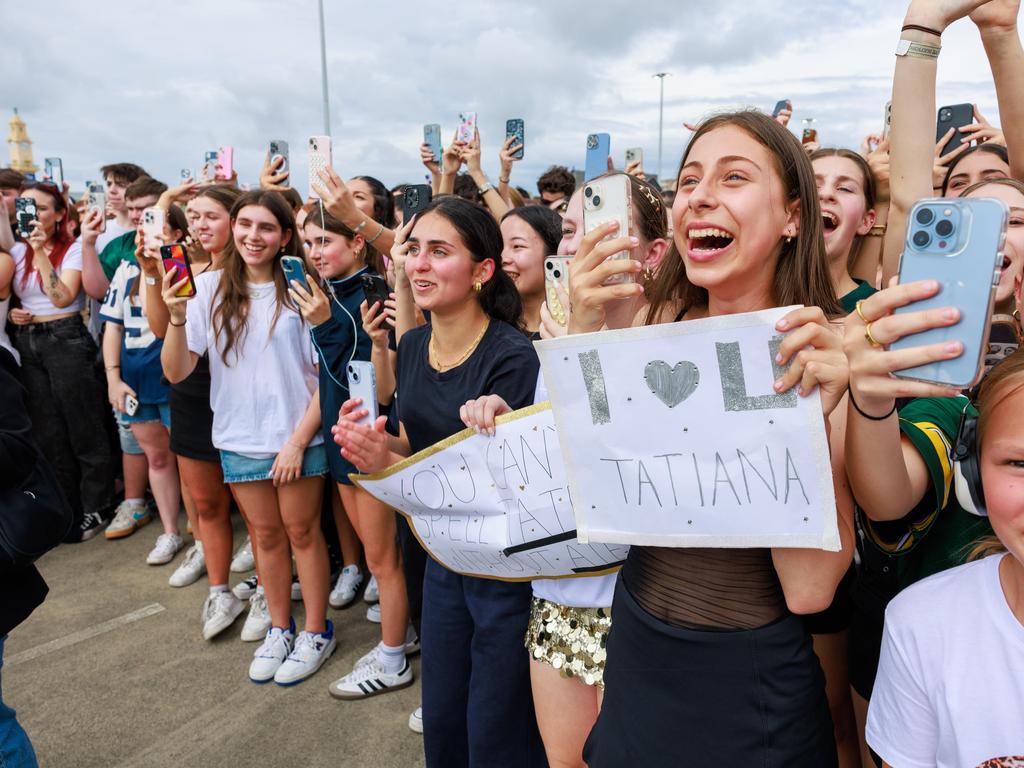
(801, 273)
(868, 187)
(230, 316)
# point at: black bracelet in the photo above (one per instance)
(176, 325)
(868, 416)
(919, 28)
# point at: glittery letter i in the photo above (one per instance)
(593, 378)
(734, 386)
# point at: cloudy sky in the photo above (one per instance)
(159, 84)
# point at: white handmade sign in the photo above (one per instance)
(496, 507)
(673, 436)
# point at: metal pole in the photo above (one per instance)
(661, 115)
(323, 72)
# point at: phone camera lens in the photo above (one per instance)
(922, 238)
(592, 141)
(596, 200)
(944, 228)
(925, 216)
(557, 273)
(588, 191)
(945, 115)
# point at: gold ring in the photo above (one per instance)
(860, 312)
(867, 335)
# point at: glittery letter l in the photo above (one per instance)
(593, 378)
(734, 387)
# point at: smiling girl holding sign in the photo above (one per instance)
(694, 628)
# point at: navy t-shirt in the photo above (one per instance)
(428, 402)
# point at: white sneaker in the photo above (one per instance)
(191, 569)
(219, 612)
(243, 590)
(296, 589)
(128, 518)
(272, 653)
(373, 613)
(243, 561)
(311, 650)
(372, 593)
(257, 623)
(166, 547)
(347, 587)
(416, 720)
(370, 679)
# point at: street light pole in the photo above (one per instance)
(323, 72)
(661, 115)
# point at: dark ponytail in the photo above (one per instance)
(499, 298)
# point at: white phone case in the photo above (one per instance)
(153, 224)
(319, 159)
(610, 199)
(362, 383)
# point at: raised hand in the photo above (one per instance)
(588, 271)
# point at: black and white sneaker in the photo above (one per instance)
(91, 524)
(243, 590)
(369, 679)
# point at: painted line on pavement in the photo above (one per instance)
(83, 634)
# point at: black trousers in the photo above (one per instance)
(67, 401)
(710, 698)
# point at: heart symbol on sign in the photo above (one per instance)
(672, 385)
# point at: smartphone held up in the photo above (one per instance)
(959, 243)
(606, 200)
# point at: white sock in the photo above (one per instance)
(135, 502)
(392, 659)
(259, 589)
(215, 588)
(350, 569)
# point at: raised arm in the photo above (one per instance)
(94, 280)
(177, 360)
(997, 23)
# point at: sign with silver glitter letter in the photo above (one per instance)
(673, 436)
(497, 507)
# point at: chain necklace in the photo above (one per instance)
(435, 360)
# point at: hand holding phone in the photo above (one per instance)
(432, 138)
(54, 170)
(955, 116)
(153, 224)
(319, 160)
(599, 147)
(376, 291)
(176, 262)
(294, 269)
(780, 105)
(25, 212)
(959, 243)
(97, 201)
(225, 168)
(362, 384)
(279, 153)
(467, 127)
(515, 129)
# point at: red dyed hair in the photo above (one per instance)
(62, 237)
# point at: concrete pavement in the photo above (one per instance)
(112, 671)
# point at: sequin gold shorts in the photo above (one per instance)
(572, 640)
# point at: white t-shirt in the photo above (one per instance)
(260, 397)
(950, 683)
(32, 296)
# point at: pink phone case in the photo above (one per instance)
(225, 163)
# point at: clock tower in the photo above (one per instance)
(20, 146)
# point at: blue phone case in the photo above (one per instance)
(432, 136)
(599, 147)
(958, 242)
(515, 127)
(293, 270)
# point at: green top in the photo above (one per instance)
(937, 534)
(121, 248)
(862, 291)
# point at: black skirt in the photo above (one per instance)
(709, 698)
(192, 427)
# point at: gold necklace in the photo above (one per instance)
(440, 367)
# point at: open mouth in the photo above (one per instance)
(1006, 264)
(513, 275)
(829, 221)
(708, 241)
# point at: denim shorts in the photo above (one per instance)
(125, 437)
(245, 469)
(151, 412)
